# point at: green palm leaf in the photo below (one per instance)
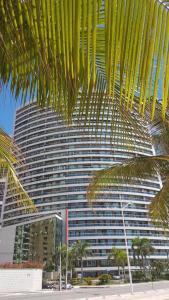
(139, 168)
(8, 163)
(53, 49)
(160, 205)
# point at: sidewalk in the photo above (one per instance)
(160, 291)
(161, 294)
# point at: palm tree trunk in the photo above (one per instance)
(71, 273)
(124, 273)
(81, 269)
(119, 270)
(134, 257)
(144, 266)
(167, 261)
(139, 262)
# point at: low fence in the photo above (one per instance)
(19, 280)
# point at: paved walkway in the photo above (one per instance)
(148, 295)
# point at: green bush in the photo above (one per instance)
(166, 276)
(49, 268)
(88, 280)
(104, 278)
(75, 281)
(138, 276)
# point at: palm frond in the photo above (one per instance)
(159, 131)
(139, 168)
(159, 207)
(136, 168)
(8, 162)
(51, 50)
(145, 167)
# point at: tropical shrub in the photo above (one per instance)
(166, 276)
(138, 276)
(104, 278)
(157, 269)
(88, 280)
(75, 281)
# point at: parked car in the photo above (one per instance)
(46, 285)
(68, 287)
(116, 277)
(50, 285)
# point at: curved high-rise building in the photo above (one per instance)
(59, 165)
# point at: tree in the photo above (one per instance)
(103, 50)
(52, 50)
(141, 249)
(65, 254)
(9, 161)
(120, 259)
(55, 50)
(156, 269)
(77, 252)
(81, 250)
(143, 167)
(72, 256)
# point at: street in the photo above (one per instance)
(144, 291)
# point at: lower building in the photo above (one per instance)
(36, 240)
(59, 164)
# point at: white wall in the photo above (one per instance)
(14, 280)
(7, 240)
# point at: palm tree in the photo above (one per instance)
(71, 260)
(81, 250)
(61, 250)
(54, 50)
(143, 167)
(103, 50)
(157, 267)
(141, 249)
(77, 252)
(9, 161)
(120, 259)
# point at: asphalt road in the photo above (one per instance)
(82, 293)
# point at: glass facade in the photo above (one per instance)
(59, 163)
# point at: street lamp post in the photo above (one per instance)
(60, 268)
(126, 245)
(67, 225)
(66, 272)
